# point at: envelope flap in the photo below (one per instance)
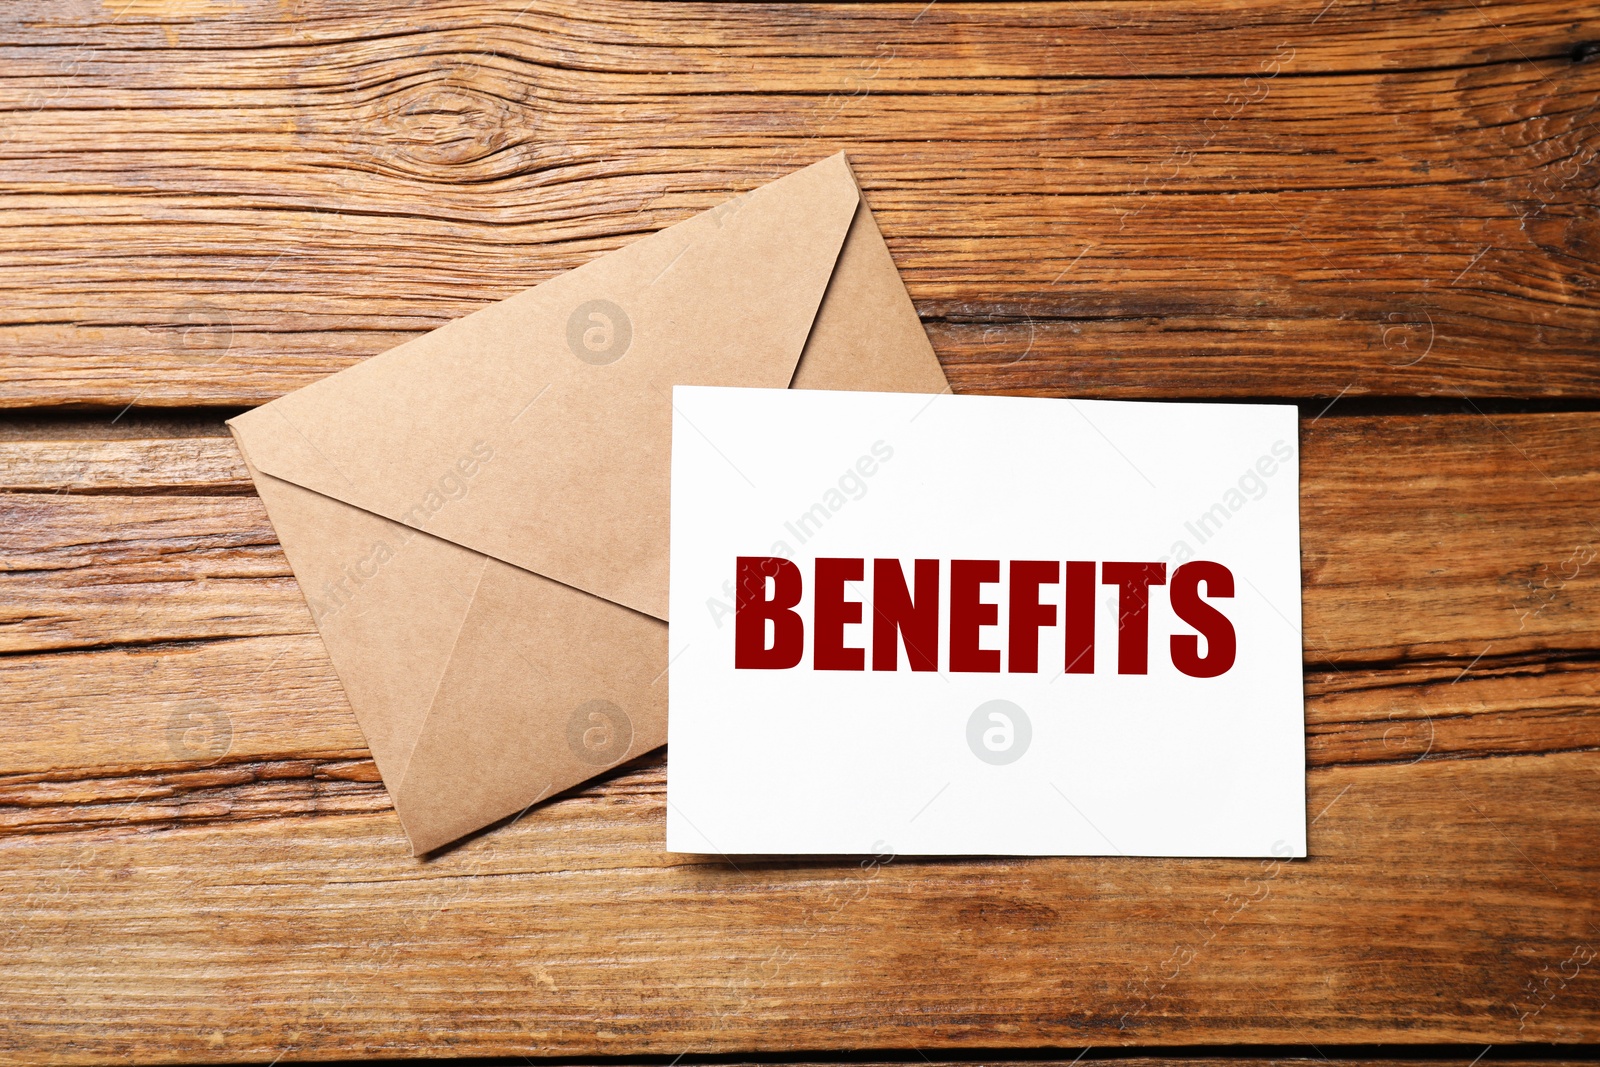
(538, 429)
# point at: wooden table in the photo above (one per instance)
(1385, 213)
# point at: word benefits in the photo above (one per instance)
(770, 588)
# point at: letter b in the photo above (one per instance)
(752, 609)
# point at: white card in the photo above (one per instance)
(1007, 695)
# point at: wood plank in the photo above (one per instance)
(1451, 897)
(86, 571)
(210, 465)
(1448, 536)
(728, 45)
(1445, 710)
(120, 712)
(1451, 536)
(1399, 209)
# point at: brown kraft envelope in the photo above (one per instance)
(479, 517)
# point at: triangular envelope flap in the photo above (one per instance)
(538, 429)
(867, 335)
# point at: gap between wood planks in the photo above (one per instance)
(110, 422)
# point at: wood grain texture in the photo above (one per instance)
(212, 203)
(209, 203)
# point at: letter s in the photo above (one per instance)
(1221, 643)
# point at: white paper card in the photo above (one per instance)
(1084, 682)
